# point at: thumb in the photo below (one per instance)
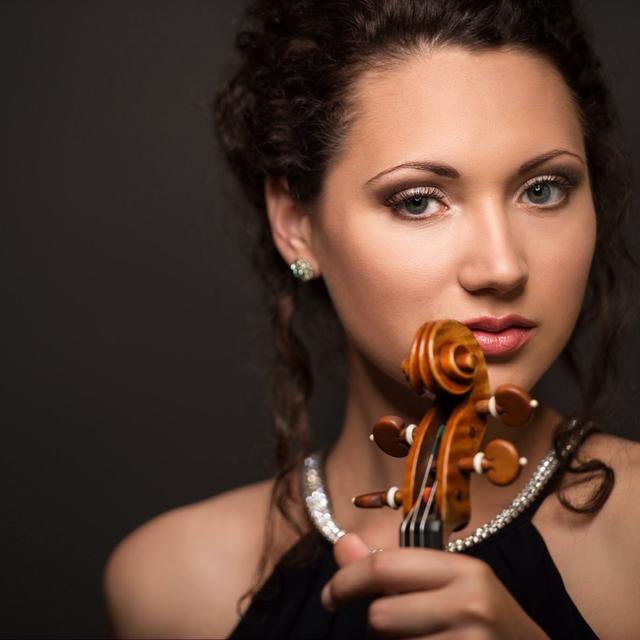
(350, 548)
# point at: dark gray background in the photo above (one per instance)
(134, 346)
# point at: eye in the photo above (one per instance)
(546, 192)
(419, 203)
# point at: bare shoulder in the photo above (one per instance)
(621, 509)
(598, 554)
(182, 573)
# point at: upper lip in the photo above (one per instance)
(489, 323)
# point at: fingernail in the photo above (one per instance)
(325, 598)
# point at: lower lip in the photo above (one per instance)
(498, 343)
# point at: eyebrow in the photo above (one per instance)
(447, 171)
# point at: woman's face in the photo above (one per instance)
(399, 246)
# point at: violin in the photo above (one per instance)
(446, 363)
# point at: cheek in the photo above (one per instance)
(562, 263)
(559, 266)
(385, 283)
(383, 288)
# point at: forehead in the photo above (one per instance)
(464, 107)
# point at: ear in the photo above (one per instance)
(290, 223)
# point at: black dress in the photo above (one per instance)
(288, 605)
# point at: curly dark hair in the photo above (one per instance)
(283, 112)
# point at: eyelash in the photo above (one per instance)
(565, 182)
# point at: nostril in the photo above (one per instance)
(493, 269)
(477, 282)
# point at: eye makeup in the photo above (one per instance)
(395, 195)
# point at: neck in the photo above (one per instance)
(355, 465)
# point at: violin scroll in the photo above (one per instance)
(447, 364)
(440, 363)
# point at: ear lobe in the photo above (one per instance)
(289, 221)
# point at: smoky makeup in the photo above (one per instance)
(561, 176)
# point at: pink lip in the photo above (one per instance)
(497, 336)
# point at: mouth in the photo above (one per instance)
(499, 336)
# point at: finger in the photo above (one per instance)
(392, 571)
(412, 615)
(350, 548)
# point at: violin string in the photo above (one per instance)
(404, 536)
(410, 518)
(419, 503)
(405, 539)
(427, 512)
(413, 514)
(427, 509)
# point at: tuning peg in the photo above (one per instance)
(390, 498)
(512, 404)
(393, 435)
(500, 461)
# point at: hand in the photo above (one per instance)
(426, 593)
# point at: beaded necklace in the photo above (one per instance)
(319, 505)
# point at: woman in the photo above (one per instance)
(414, 160)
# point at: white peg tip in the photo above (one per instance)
(391, 497)
(477, 462)
(408, 434)
(522, 461)
(493, 409)
(371, 437)
(533, 403)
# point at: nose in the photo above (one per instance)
(494, 261)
